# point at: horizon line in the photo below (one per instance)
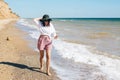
(80, 17)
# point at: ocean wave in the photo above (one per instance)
(24, 22)
(65, 20)
(81, 53)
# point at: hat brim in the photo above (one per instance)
(46, 20)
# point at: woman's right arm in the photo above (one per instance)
(36, 20)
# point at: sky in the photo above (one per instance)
(66, 8)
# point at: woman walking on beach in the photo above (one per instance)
(47, 32)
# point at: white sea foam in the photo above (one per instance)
(81, 53)
(34, 34)
(63, 20)
(24, 22)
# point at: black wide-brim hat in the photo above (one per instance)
(46, 18)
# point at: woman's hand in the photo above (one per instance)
(56, 37)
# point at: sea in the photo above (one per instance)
(86, 48)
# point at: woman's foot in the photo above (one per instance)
(41, 68)
(48, 73)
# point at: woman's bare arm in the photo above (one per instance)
(36, 19)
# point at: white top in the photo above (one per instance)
(46, 30)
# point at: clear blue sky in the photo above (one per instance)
(65, 8)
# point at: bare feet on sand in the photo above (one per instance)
(48, 73)
(41, 68)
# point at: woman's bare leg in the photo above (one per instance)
(48, 58)
(41, 59)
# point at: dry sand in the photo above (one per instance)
(17, 60)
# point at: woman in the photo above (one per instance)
(47, 32)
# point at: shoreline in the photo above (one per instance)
(17, 59)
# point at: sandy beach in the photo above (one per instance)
(17, 60)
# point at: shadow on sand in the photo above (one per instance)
(22, 66)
